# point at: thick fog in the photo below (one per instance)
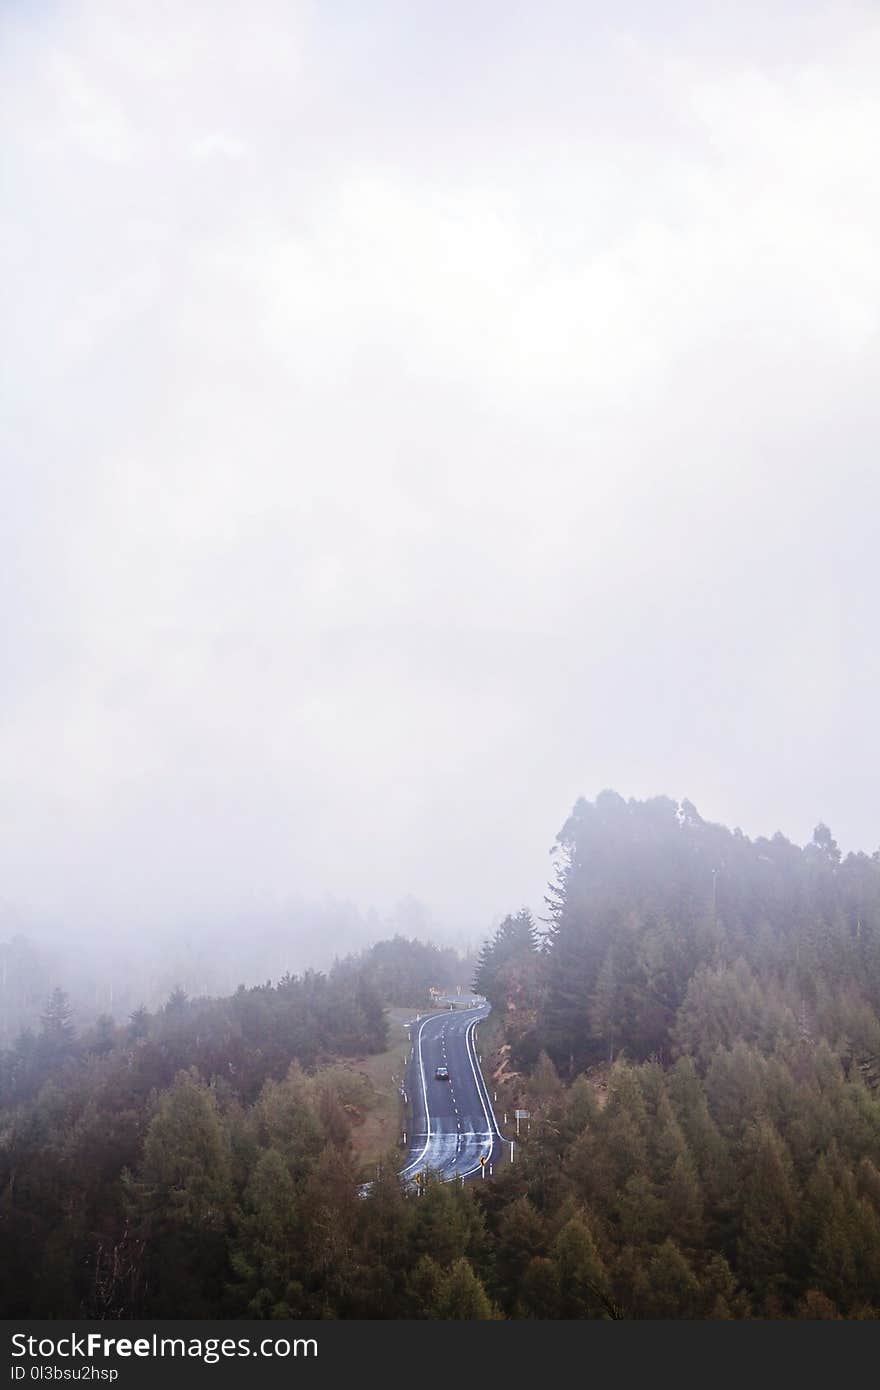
(414, 417)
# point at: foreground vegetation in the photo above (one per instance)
(696, 1036)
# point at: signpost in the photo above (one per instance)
(522, 1115)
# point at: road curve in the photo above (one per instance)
(453, 1121)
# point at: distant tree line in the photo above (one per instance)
(402, 970)
(246, 1038)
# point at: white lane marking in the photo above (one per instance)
(491, 1136)
(483, 1088)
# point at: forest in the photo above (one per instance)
(692, 1023)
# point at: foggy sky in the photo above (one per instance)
(417, 415)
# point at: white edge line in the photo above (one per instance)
(484, 1087)
(491, 1124)
(415, 1161)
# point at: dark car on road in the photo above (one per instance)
(442, 1073)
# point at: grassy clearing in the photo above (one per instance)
(377, 1119)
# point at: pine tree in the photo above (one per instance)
(267, 1243)
(545, 1087)
(539, 1293)
(186, 1165)
(329, 1219)
(684, 1201)
(56, 1041)
(448, 1223)
(286, 1119)
(426, 1285)
(521, 1236)
(671, 1289)
(705, 1143)
(582, 1278)
(138, 1024)
(767, 1213)
(581, 1110)
(508, 962)
(104, 1036)
(181, 1203)
(461, 1296)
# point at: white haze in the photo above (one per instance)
(415, 416)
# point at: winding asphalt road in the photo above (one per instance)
(453, 1122)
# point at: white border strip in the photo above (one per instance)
(418, 1160)
(482, 1080)
(491, 1124)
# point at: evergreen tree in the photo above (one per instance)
(768, 1208)
(56, 1042)
(507, 964)
(461, 1296)
(521, 1237)
(267, 1243)
(583, 1282)
(182, 1200)
(670, 1289)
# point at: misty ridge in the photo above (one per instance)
(119, 969)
